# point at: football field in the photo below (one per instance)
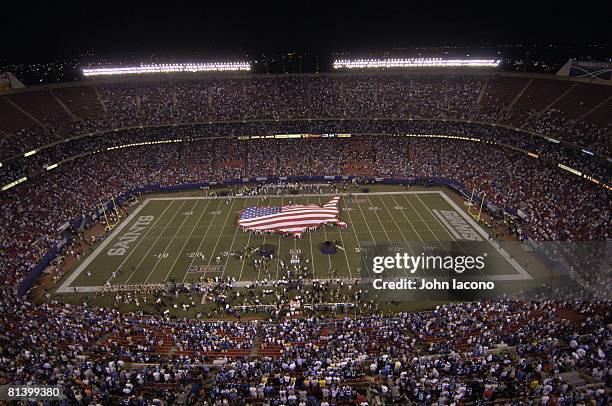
(195, 239)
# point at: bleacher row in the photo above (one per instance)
(160, 343)
(30, 119)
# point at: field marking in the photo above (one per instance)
(409, 222)
(325, 234)
(201, 241)
(186, 241)
(245, 258)
(345, 194)
(368, 226)
(247, 283)
(436, 217)
(139, 242)
(348, 265)
(356, 236)
(279, 249)
(64, 286)
(223, 228)
(152, 245)
(232, 245)
(446, 223)
(400, 230)
(312, 261)
(522, 274)
(422, 219)
(379, 220)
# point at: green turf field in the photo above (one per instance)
(189, 239)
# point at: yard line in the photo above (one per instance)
(154, 242)
(222, 228)
(436, 217)
(259, 271)
(409, 222)
(141, 240)
(354, 231)
(232, 245)
(245, 258)
(325, 234)
(348, 265)
(201, 242)
(279, 248)
(311, 248)
(368, 226)
(421, 217)
(169, 244)
(445, 229)
(381, 223)
(426, 224)
(187, 240)
(399, 228)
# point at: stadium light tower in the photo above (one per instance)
(414, 63)
(170, 68)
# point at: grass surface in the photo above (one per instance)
(184, 228)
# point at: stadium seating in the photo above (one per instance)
(445, 355)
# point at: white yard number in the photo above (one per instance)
(195, 254)
(399, 207)
(357, 249)
(295, 251)
(162, 256)
(216, 212)
(188, 213)
(374, 208)
(347, 208)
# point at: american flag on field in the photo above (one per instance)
(292, 220)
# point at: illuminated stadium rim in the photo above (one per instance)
(348, 119)
(415, 63)
(564, 167)
(169, 68)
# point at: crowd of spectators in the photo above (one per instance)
(458, 97)
(486, 351)
(33, 164)
(454, 354)
(33, 212)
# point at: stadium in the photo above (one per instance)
(391, 231)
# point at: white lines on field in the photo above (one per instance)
(435, 217)
(229, 253)
(325, 234)
(312, 261)
(151, 246)
(245, 258)
(186, 241)
(279, 249)
(378, 217)
(139, 242)
(409, 221)
(200, 246)
(400, 230)
(348, 265)
(168, 245)
(219, 238)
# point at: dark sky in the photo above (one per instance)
(47, 31)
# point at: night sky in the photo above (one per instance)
(113, 30)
